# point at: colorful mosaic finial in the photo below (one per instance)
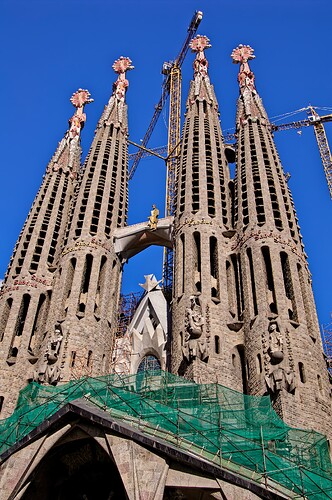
(241, 55)
(79, 99)
(120, 67)
(198, 45)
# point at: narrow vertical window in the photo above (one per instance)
(302, 373)
(72, 359)
(1, 402)
(68, 283)
(5, 316)
(85, 283)
(306, 302)
(89, 358)
(288, 284)
(236, 263)
(101, 284)
(214, 268)
(217, 344)
(36, 322)
(259, 364)
(22, 315)
(271, 295)
(197, 262)
(230, 289)
(252, 282)
(240, 349)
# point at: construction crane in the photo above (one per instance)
(171, 86)
(317, 121)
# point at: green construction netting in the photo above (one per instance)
(238, 432)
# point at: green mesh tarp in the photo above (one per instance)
(238, 432)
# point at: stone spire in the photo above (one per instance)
(87, 285)
(202, 228)
(272, 297)
(26, 292)
(114, 111)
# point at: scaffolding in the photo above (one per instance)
(234, 431)
(327, 344)
(121, 343)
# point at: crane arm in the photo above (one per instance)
(166, 88)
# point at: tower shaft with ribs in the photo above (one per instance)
(282, 349)
(28, 286)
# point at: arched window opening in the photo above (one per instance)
(149, 363)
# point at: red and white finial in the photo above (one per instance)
(198, 45)
(79, 99)
(241, 55)
(120, 67)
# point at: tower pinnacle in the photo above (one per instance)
(79, 99)
(198, 45)
(120, 67)
(114, 109)
(241, 55)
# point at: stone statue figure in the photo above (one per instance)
(280, 376)
(192, 345)
(153, 218)
(47, 370)
(276, 343)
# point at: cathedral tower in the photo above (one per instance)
(26, 293)
(201, 340)
(283, 351)
(88, 279)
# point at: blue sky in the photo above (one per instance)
(50, 48)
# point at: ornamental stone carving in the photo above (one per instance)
(279, 375)
(48, 371)
(193, 345)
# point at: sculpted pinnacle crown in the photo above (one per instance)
(122, 65)
(242, 53)
(80, 98)
(199, 43)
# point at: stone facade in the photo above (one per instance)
(243, 313)
(244, 272)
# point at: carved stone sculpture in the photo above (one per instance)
(279, 376)
(47, 370)
(193, 346)
(153, 218)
